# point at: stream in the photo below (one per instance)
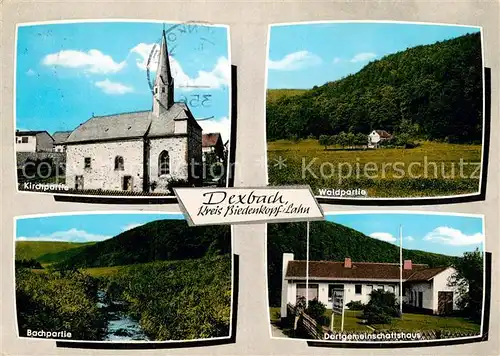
(121, 327)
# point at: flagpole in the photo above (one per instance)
(401, 270)
(307, 267)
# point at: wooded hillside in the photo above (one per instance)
(432, 92)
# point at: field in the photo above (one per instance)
(410, 322)
(431, 169)
(46, 251)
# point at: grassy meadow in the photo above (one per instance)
(428, 170)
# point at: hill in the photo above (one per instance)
(47, 251)
(276, 94)
(431, 92)
(157, 240)
(332, 242)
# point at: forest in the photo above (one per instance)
(429, 92)
(159, 281)
(329, 241)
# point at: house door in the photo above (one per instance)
(445, 302)
(127, 183)
(79, 182)
(420, 299)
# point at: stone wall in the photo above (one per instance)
(195, 155)
(102, 173)
(59, 158)
(177, 148)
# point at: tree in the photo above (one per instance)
(324, 140)
(468, 280)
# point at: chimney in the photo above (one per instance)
(407, 265)
(347, 263)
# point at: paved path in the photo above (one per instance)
(276, 332)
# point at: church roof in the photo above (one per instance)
(126, 125)
(131, 125)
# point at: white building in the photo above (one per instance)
(424, 289)
(377, 136)
(138, 151)
(60, 138)
(34, 141)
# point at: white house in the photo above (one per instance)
(212, 143)
(34, 141)
(425, 289)
(138, 151)
(377, 136)
(60, 138)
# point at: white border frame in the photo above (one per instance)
(350, 199)
(124, 212)
(374, 342)
(63, 22)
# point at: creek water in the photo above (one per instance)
(121, 327)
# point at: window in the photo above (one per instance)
(24, 139)
(163, 89)
(156, 90)
(390, 289)
(87, 162)
(312, 294)
(357, 288)
(118, 163)
(381, 287)
(369, 289)
(163, 163)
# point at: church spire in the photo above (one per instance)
(163, 97)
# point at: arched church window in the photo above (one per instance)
(118, 163)
(163, 163)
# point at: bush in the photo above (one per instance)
(355, 305)
(381, 307)
(315, 309)
(177, 183)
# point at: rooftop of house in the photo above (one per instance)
(60, 136)
(348, 270)
(383, 133)
(28, 132)
(211, 139)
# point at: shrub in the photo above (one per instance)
(177, 183)
(381, 307)
(315, 309)
(355, 305)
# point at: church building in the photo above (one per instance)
(138, 151)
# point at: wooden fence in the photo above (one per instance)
(307, 323)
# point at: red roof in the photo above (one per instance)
(383, 133)
(359, 270)
(210, 139)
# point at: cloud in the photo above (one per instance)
(30, 72)
(409, 238)
(113, 88)
(336, 60)
(219, 76)
(295, 61)
(72, 235)
(384, 236)
(93, 61)
(222, 125)
(361, 57)
(450, 236)
(131, 226)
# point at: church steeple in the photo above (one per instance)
(163, 91)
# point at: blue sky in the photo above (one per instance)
(67, 72)
(446, 234)
(301, 56)
(83, 228)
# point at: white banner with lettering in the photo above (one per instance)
(212, 206)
